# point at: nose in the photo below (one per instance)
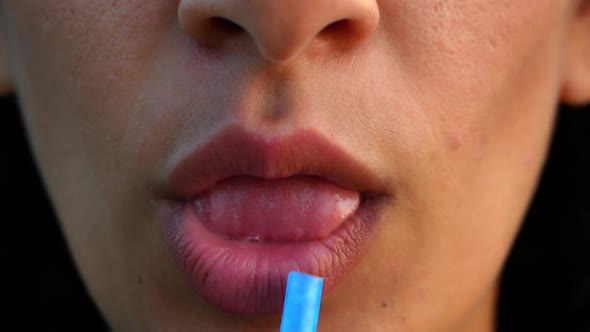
(281, 29)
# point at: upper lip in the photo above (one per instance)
(236, 151)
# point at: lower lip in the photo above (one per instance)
(249, 277)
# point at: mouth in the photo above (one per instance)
(242, 211)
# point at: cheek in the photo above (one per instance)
(77, 68)
(479, 76)
(484, 83)
(468, 81)
(74, 55)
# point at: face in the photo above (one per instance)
(417, 130)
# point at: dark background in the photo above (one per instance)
(545, 285)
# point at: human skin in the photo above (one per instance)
(452, 102)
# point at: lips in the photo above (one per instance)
(244, 209)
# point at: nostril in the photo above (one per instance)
(221, 25)
(337, 30)
(279, 30)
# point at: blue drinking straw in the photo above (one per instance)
(301, 309)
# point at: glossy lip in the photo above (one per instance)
(244, 277)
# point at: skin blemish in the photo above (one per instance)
(139, 279)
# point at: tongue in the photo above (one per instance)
(283, 210)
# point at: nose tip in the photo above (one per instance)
(280, 29)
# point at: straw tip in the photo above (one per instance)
(302, 302)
